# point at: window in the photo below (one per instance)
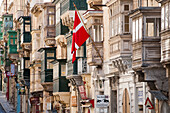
(165, 16)
(51, 10)
(27, 27)
(51, 15)
(51, 20)
(126, 7)
(50, 54)
(63, 70)
(11, 41)
(137, 29)
(126, 24)
(49, 65)
(27, 63)
(115, 19)
(152, 27)
(15, 41)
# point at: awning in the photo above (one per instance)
(158, 94)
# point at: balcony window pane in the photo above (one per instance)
(126, 23)
(162, 17)
(150, 27)
(137, 31)
(166, 16)
(63, 70)
(12, 42)
(15, 41)
(51, 10)
(27, 27)
(50, 54)
(51, 20)
(140, 28)
(134, 29)
(27, 63)
(169, 14)
(49, 65)
(126, 7)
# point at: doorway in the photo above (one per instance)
(126, 102)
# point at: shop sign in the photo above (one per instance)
(22, 90)
(74, 101)
(12, 69)
(140, 96)
(82, 92)
(102, 101)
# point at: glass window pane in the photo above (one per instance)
(166, 16)
(27, 28)
(15, 41)
(150, 22)
(51, 10)
(50, 54)
(63, 70)
(126, 23)
(51, 20)
(137, 30)
(162, 17)
(126, 7)
(140, 28)
(49, 65)
(27, 63)
(134, 31)
(12, 42)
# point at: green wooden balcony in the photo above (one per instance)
(25, 29)
(12, 42)
(60, 83)
(47, 56)
(68, 5)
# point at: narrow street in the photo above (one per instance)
(1, 109)
(5, 107)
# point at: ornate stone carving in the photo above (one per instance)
(121, 64)
(50, 41)
(26, 46)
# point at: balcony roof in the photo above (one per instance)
(45, 48)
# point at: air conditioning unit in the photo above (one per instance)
(83, 67)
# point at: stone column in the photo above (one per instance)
(31, 79)
(46, 100)
(37, 76)
(168, 75)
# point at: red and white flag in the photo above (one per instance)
(80, 35)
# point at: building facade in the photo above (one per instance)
(124, 63)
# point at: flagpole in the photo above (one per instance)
(89, 34)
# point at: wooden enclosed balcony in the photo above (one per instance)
(95, 4)
(146, 38)
(67, 14)
(49, 23)
(93, 58)
(165, 48)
